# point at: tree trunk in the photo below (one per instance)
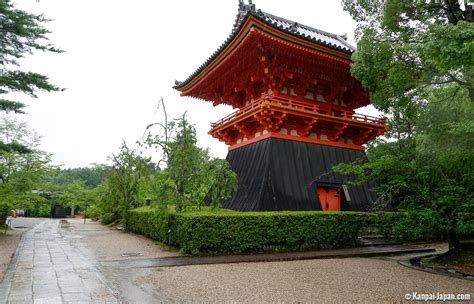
(453, 240)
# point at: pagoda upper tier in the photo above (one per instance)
(266, 52)
(287, 80)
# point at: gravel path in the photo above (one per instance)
(360, 280)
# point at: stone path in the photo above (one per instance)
(49, 268)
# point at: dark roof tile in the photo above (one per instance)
(336, 42)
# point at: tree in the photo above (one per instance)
(191, 177)
(21, 33)
(90, 176)
(405, 47)
(74, 195)
(22, 173)
(195, 176)
(121, 189)
(415, 59)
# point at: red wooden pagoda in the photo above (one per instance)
(295, 118)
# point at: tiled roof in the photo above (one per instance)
(333, 41)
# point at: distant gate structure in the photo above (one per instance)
(295, 117)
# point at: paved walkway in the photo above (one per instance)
(49, 268)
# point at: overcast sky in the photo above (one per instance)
(121, 56)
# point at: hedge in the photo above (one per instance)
(235, 232)
(146, 221)
(224, 231)
(244, 232)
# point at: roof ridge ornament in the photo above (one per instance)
(243, 10)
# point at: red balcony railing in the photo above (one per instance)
(278, 101)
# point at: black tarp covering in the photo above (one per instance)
(278, 174)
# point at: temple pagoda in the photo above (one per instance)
(295, 102)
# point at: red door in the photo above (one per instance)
(329, 198)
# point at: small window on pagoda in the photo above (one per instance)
(330, 198)
(309, 95)
(284, 91)
(320, 98)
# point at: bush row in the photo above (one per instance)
(208, 232)
(419, 225)
(243, 232)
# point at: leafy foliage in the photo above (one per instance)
(415, 59)
(21, 34)
(121, 189)
(407, 46)
(90, 176)
(74, 195)
(191, 176)
(23, 164)
(21, 172)
(225, 231)
(208, 231)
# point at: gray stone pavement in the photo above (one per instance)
(49, 268)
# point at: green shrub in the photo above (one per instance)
(201, 232)
(151, 222)
(40, 210)
(418, 225)
(107, 218)
(465, 226)
(234, 232)
(92, 212)
(225, 231)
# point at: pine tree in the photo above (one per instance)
(21, 33)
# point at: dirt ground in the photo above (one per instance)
(9, 241)
(109, 243)
(8, 244)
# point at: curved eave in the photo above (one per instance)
(253, 20)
